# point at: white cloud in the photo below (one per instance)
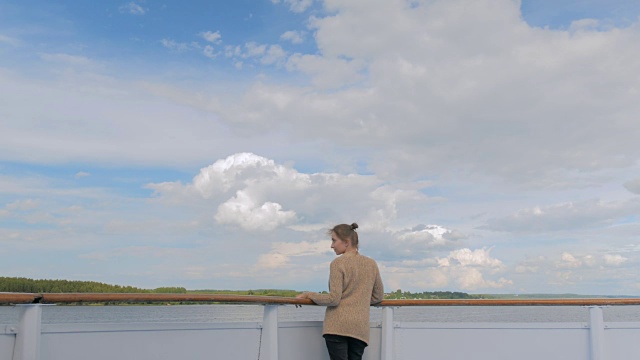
(241, 210)
(132, 8)
(253, 49)
(471, 258)
(584, 262)
(81, 174)
(295, 37)
(213, 37)
(614, 260)
(225, 174)
(413, 72)
(327, 72)
(256, 192)
(263, 53)
(464, 269)
(569, 261)
(274, 55)
(209, 52)
(175, 46)
(296, 6)
(473, 279)
(417, 242)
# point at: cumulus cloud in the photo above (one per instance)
(255, 192)
(569, 261)
(468, 257)
(463, 268)
(241, 210)
(417, 242)
(472, 279)
(614, 260)
(580, 262)
(295, 37)
(213, 37)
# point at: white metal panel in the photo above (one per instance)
(153, 344)
(467, 341)
(621, 341)
(373, 351)
(301, 340)
(6, 345)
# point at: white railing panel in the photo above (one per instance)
(7, 341)
(155, 343)
(470, 341)
(621, 341)
(372, 352)
(301, 340)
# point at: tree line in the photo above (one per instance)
(26, 285)
(399, 294)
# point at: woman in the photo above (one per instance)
(354, 284)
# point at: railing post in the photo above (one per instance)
(386, 343)
(269, 343)
(27, 344)
(596, 332)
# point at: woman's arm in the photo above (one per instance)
(377, 294)
(336, 279)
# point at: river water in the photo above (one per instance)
(52, 314)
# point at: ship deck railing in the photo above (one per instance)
(272, 339)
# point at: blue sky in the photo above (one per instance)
(482, 146)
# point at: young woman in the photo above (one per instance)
(354, 284)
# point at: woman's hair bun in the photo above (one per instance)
(354, 226)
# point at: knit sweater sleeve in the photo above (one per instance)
(336, 281)
(377, 295)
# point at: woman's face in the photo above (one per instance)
(338, 245)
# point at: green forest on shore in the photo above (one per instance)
(26, 285)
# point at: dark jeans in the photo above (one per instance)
(344, 347)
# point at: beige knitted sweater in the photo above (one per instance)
(354, 284)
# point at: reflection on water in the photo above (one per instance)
(244, 313)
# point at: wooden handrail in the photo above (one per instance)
(19, 298)
(62, 298)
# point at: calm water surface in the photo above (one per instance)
(243, 313)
